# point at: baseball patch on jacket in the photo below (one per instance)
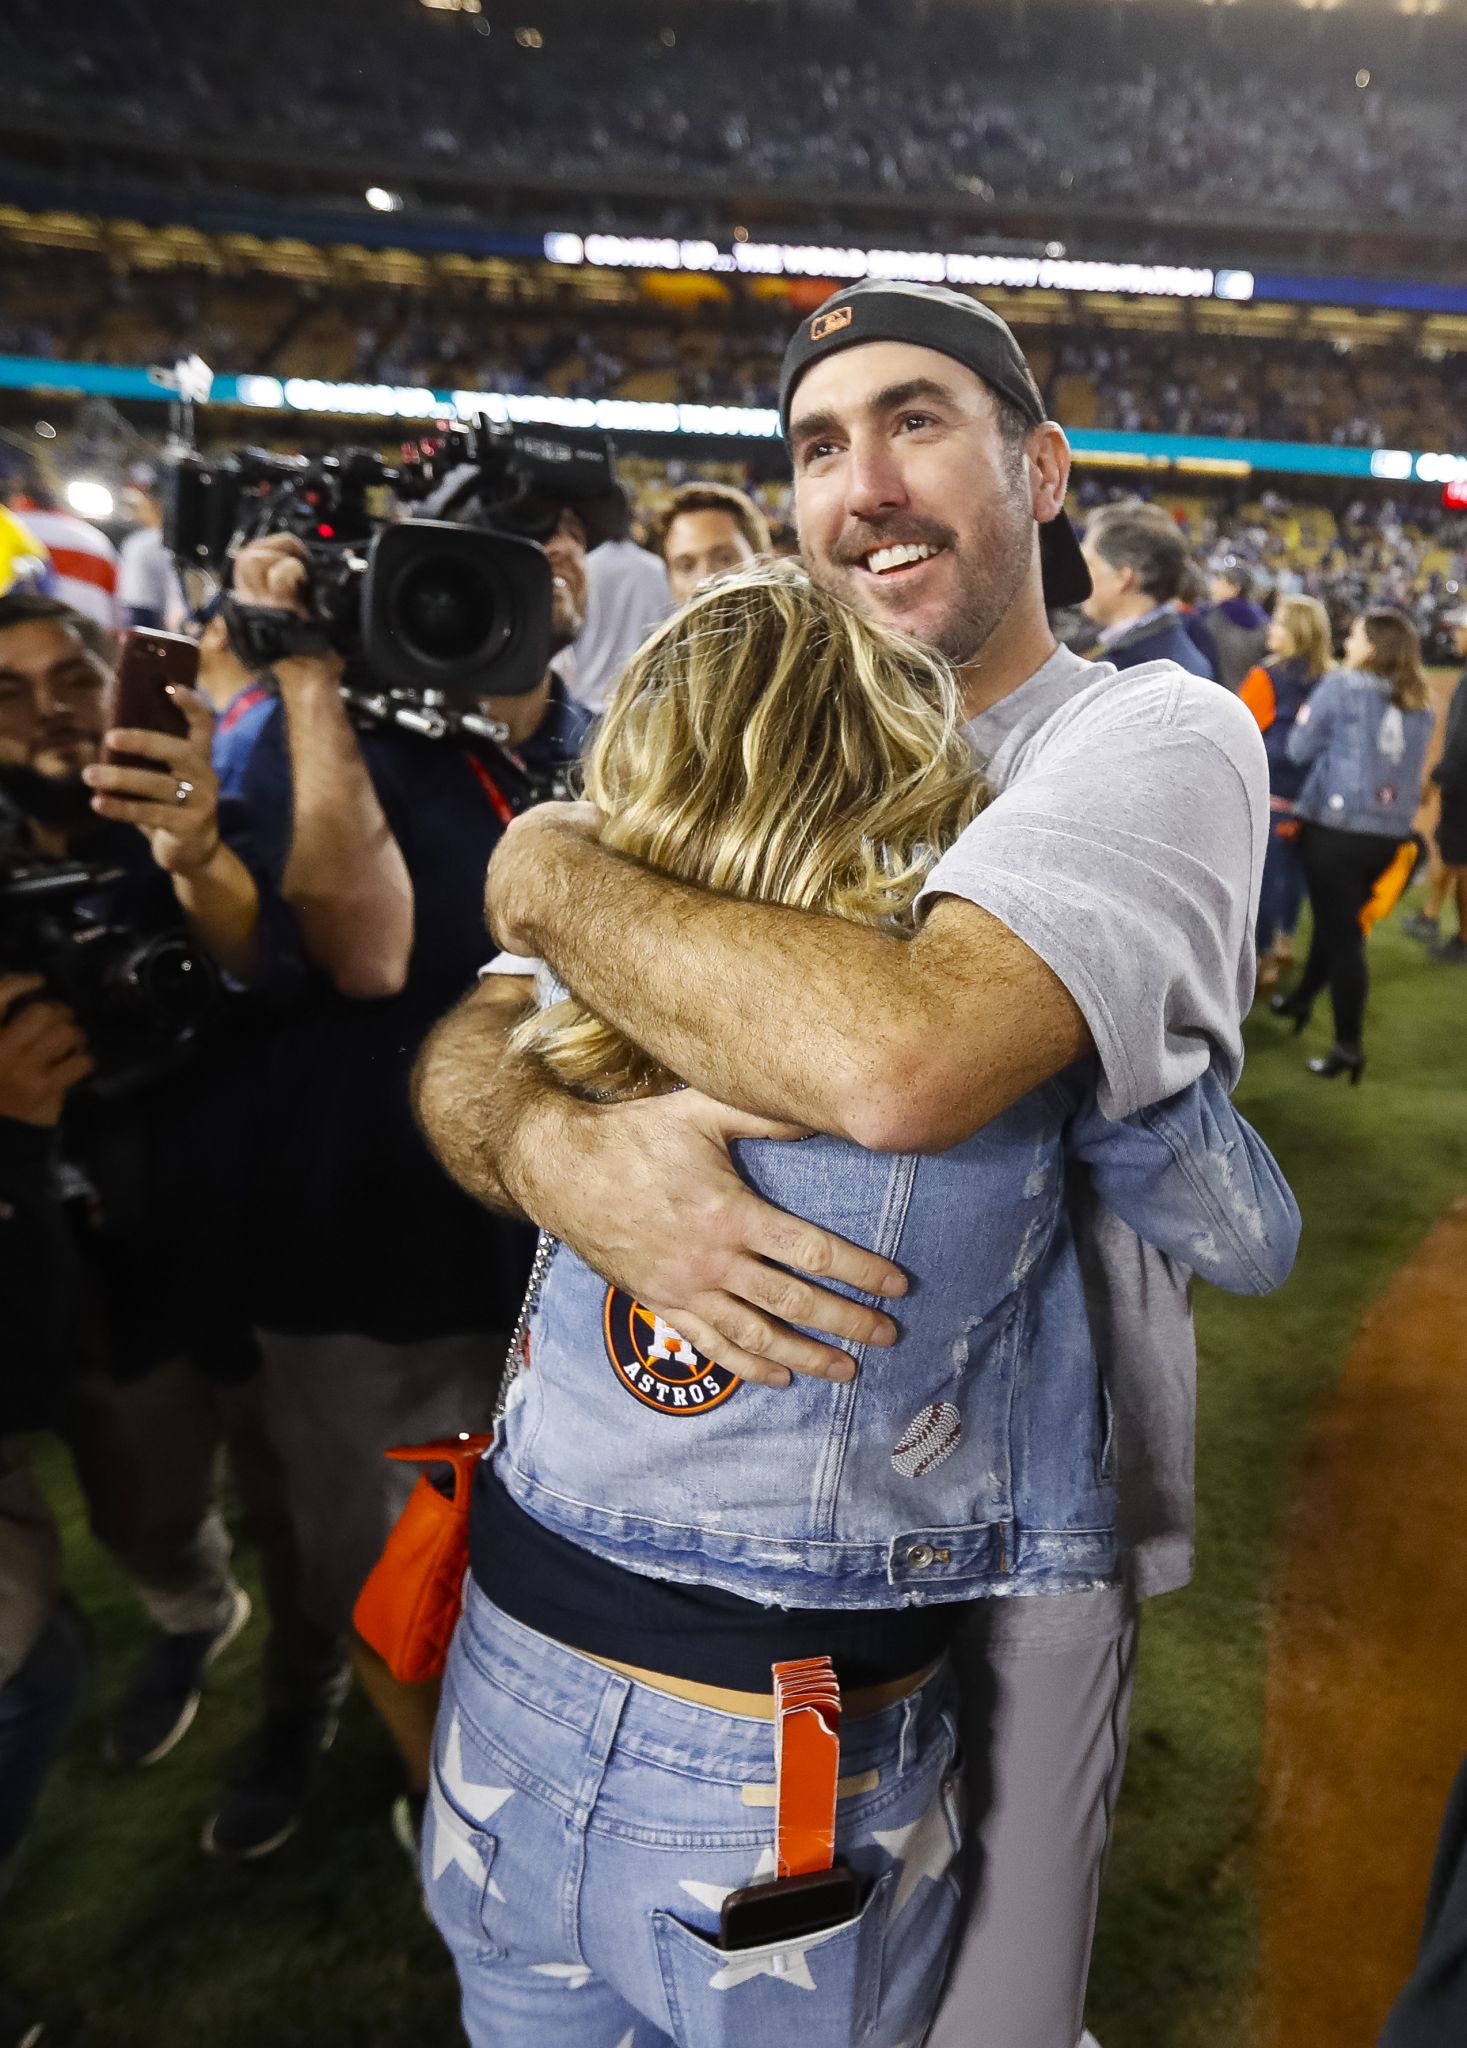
(656, 1363)
(930, 1437)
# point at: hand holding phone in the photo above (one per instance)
(151, 667)
(156, 772)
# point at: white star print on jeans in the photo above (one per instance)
(587, 1831)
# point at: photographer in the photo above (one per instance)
(43, 1653)
(383, 1290)
(158, 1156)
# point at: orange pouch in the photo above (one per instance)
(407, 1609)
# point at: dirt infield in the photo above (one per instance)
(1366, 1704)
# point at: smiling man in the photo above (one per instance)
(1102, 904)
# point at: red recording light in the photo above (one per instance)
(1454, 494)
(326, 532)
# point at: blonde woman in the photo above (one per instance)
(652, 1534)
(1300, 649)
(1362, 739)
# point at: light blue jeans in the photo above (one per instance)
(583, 1830)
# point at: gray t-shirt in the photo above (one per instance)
(626, 596)
(1124, 846)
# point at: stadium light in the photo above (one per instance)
(925, 266)
(89, 499)
(381, 200)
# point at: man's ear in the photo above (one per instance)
(1047, 458)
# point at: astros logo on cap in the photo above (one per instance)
(656, 1363)
(831, 323)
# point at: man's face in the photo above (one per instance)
(51, 699)
(702, 544)
(909, 504)
(566, 548)
(1222, 588)
(1113, 586)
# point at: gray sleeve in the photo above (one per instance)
(1128, 858)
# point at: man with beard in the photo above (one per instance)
(158, 1196)
(1103, 904)
(382, 1293)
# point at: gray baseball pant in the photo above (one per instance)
(1044, 1736)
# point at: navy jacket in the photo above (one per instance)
(1158, 639)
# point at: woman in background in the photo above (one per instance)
(1300, 650)
(1362, 736)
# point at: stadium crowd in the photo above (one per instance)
(726, 349)
(1013, 114)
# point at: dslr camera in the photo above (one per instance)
(427, 575)
(140, 1000)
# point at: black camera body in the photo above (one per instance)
(140, 1000)
(447, 606)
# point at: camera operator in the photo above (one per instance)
(43, 1650)
(384, 1291)
(159, 1158)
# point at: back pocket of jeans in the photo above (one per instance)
(823, 1990)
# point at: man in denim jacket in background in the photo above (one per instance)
(1104, 902)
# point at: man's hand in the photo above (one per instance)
(42, 1053)
(521, 867)
(274, 572)
(175, 804)
(655, 1205)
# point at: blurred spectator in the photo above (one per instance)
(84, 563)
(1299, 644)
(149, 587)
(1232, 631)
(1137, 560)
(1449, 875)
(706, 529)
(242, 701)
(1362, 737)
(626, 596)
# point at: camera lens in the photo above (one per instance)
(172, 984)
(455, 609)
(446, 609)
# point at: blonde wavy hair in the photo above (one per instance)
(770, 743)
(1311, 641)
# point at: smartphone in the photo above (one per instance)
(150, 664)
(789, 1907)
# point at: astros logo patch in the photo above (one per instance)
(656, 1363)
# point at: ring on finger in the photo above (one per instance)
(183, 792)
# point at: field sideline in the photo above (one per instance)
(128, 1935)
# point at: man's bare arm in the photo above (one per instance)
(345, 877)
(901, 1045)
(646, 1193)
(473, 1098)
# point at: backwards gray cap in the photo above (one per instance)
(932, 316)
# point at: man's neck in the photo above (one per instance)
(521, 716)
(1016, 649)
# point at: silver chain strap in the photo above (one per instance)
(545, 1251)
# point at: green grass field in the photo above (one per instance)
(129, 1935)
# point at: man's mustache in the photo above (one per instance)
(52, 737)
(853, 547)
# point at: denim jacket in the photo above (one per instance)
(972, 1457)
(1364, 756)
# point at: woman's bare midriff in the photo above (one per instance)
(759, 1706)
